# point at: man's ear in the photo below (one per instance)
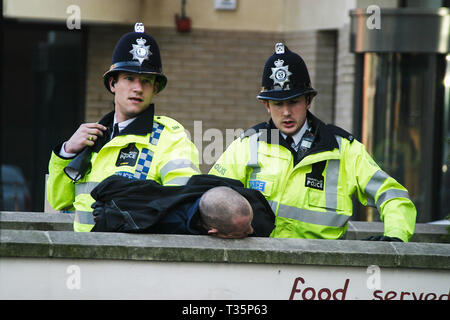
(309, 101)
(112, 83)
(212, 231)
(266, 105)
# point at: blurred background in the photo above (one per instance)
(381, 67)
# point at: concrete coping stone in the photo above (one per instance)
(187, 248)
(357, 230)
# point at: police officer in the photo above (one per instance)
(129, 141)
(309, 170)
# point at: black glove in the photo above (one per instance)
(107, 217)
(383, 238)
(99, 209)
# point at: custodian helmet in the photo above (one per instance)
(137, 52)
(285, 76)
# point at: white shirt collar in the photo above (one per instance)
(298, 136)
(123, 124)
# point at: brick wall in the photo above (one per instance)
(213, 77)
(101, 43)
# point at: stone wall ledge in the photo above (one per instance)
(18, 220)
(357, 230)
(184, 248)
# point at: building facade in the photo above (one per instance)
(214, 74)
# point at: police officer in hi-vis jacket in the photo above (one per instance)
(309, 170)
(130, 140)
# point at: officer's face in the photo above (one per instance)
(288, 115)
(133, 94)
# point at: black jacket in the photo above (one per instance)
(126, 205)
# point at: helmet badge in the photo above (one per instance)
(139, 27)
(140, 51)
(279, 48)
(280, 75)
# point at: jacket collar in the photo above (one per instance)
(142, 125)
(324, 138)
(193, 221)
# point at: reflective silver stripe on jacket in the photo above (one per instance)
(391, 194)
(84, 217)
(84, 187)
(253, 161)
(374, 185)
(332, 181)
(254, 144)
(179, 181)
(176, 164)
(87, 187)
(339, 141)
(273, 205)
(331, 184)
(327, 218)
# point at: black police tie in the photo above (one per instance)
(115, 131)
(290, 141)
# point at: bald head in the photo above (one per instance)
(226, 213)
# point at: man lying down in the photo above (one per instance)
(206, 205)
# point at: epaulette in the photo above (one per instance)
(340, 132)
(251, 131)
(169, 123)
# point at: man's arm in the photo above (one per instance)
(60, 188)
(376, 188)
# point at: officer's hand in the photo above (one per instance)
(99, 208)
(86, 135)
(383, 238)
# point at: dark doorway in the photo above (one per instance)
(401, 104)
(42, 96)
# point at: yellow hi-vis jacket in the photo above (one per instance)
(151, 147)
(313, 199)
